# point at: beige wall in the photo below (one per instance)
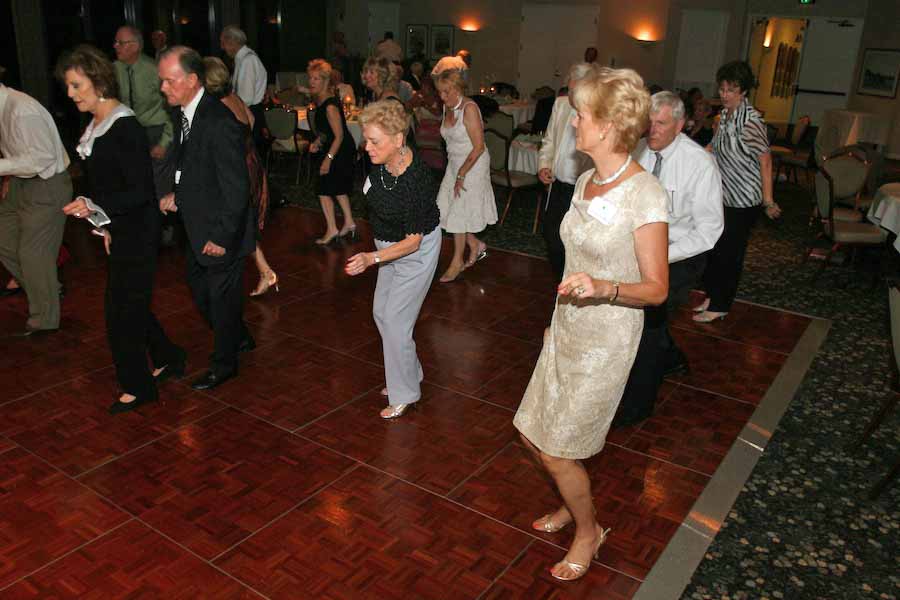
(784, 31)
(881, 30)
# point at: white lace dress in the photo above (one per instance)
(583, 367)
(474, 208)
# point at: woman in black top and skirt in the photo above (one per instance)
(120, 178)
(402, 198)
(336, 143)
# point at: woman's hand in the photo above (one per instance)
(458, 187)
(358, 263)
(107, 240)
(77, 208)
(773, 211)
(582, 285)
(325, 167)
(315, 147)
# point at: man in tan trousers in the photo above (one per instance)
(35, 187)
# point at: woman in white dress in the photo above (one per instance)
(466, 198)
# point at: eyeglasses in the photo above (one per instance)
(124, 42)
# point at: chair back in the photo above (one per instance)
(500, 122)
(824, 201)
(800, 128)
(497, 146)
(542, 113)
(848, 170)
(281, 123)
(771, 133)
(894, 301)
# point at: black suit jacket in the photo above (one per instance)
(213, 194)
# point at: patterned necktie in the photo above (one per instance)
(657, 167)
(130, 70)
(185, 128)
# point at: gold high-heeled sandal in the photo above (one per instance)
(395, 410)
(546, 524)
(265, 282)
(708, 317)
(701, 307)
(579, 569)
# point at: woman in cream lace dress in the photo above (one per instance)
(616, 241)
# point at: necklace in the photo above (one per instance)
(614, 176)
(396, 177)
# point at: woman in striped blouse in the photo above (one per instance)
(741, 149)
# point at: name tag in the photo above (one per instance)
(603, 210)
(366, 185)
(177, 177)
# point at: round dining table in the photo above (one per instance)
(885, 210)
(519, 111)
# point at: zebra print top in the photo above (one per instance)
(737, 145)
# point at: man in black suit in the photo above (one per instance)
(212, 194)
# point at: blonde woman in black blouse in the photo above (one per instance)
(402, 199)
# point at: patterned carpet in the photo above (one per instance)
(802, 527)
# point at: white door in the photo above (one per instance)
(701, 49)
(553, 38)
(384, 16)
(829, 54)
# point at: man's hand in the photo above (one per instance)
(4, 187)
(157, 152)
(546, 176)
(211, 249)
(167, 203)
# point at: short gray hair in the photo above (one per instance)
(235, 34)
(136, 33)
(660, 99)
(579, 71)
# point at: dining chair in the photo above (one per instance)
(498, 146)
(282, 125)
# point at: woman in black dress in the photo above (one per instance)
(335, 142)
(120, 177)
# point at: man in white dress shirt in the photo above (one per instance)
(389, 49)
(249, 77)
(35, 187)
(691, 179)
(559, 166)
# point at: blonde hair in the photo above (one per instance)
(452, 77)
(384, 71)
(321, 68)
(217, 79)
(389, 115)
(619, 97)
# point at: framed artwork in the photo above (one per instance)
(416, 41)
(879, 72)
(441, 41)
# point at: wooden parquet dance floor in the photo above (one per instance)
(284, 483)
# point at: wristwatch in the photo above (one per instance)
(330, 156)
(377, 258)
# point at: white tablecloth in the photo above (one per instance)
(523, 156)
(352, 125)
(885, 210)
(519, 111)
(845, 127)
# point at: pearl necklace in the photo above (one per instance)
(396, 177)
(614, 176)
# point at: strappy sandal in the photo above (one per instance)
(579, 569)
(546, 524)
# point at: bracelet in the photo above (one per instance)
(616, 295)
(460, 177)
(330, 156)
(768, 204)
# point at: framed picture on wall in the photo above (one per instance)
(879, 72)
(441, 41)
(416, 41)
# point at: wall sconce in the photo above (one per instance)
(644, 38)
(770, 32)
(469, 26)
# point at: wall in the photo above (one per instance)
(784, 31)
(880, 31)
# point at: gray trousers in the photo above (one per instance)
(31, 230)
(399, 294)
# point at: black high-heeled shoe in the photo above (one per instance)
(174, 369)
(350, 234)
(118, 407)
(328, 241)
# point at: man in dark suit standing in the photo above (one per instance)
(212, 194)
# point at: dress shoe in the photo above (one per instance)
(33, 332)
(119, 407)
(173, 369)
(247, 344)
(7, 292)
(210, 380)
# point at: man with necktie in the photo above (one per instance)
(139, 89)
(212, 194)
(691, 180)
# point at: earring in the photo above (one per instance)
(403, 150)
(102, 99)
